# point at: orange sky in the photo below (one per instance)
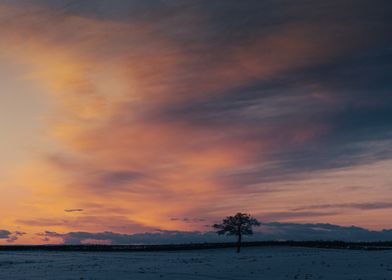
(127, 121)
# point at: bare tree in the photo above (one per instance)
(240, 224)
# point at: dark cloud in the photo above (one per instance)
(360, 206)
(267, 231)
(162, 237)
(10, 236)
(73, 210)
(292, 231)
(188, 220)
(4, 234)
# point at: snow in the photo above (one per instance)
(252, 263)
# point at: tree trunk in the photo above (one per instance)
(239, 243)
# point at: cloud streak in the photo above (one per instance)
(361, 206)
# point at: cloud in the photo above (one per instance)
(361, 206)
(5, 234)
(165, 237)
(10, 236)
(267, 231)
(73, 210)
(292, 231)
(199, 109)
(189, 220)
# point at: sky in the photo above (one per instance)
(129, 119)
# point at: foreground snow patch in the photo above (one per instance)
(252, 263)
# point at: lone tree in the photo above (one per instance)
(240, 224)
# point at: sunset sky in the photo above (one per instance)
(133, 116)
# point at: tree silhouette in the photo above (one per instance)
(240, 224)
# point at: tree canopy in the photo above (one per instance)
(239, 224)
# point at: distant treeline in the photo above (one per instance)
(200, 246)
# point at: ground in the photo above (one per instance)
(253, 263)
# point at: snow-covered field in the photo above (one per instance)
(252, 263)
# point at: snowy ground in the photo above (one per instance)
(252, 263)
